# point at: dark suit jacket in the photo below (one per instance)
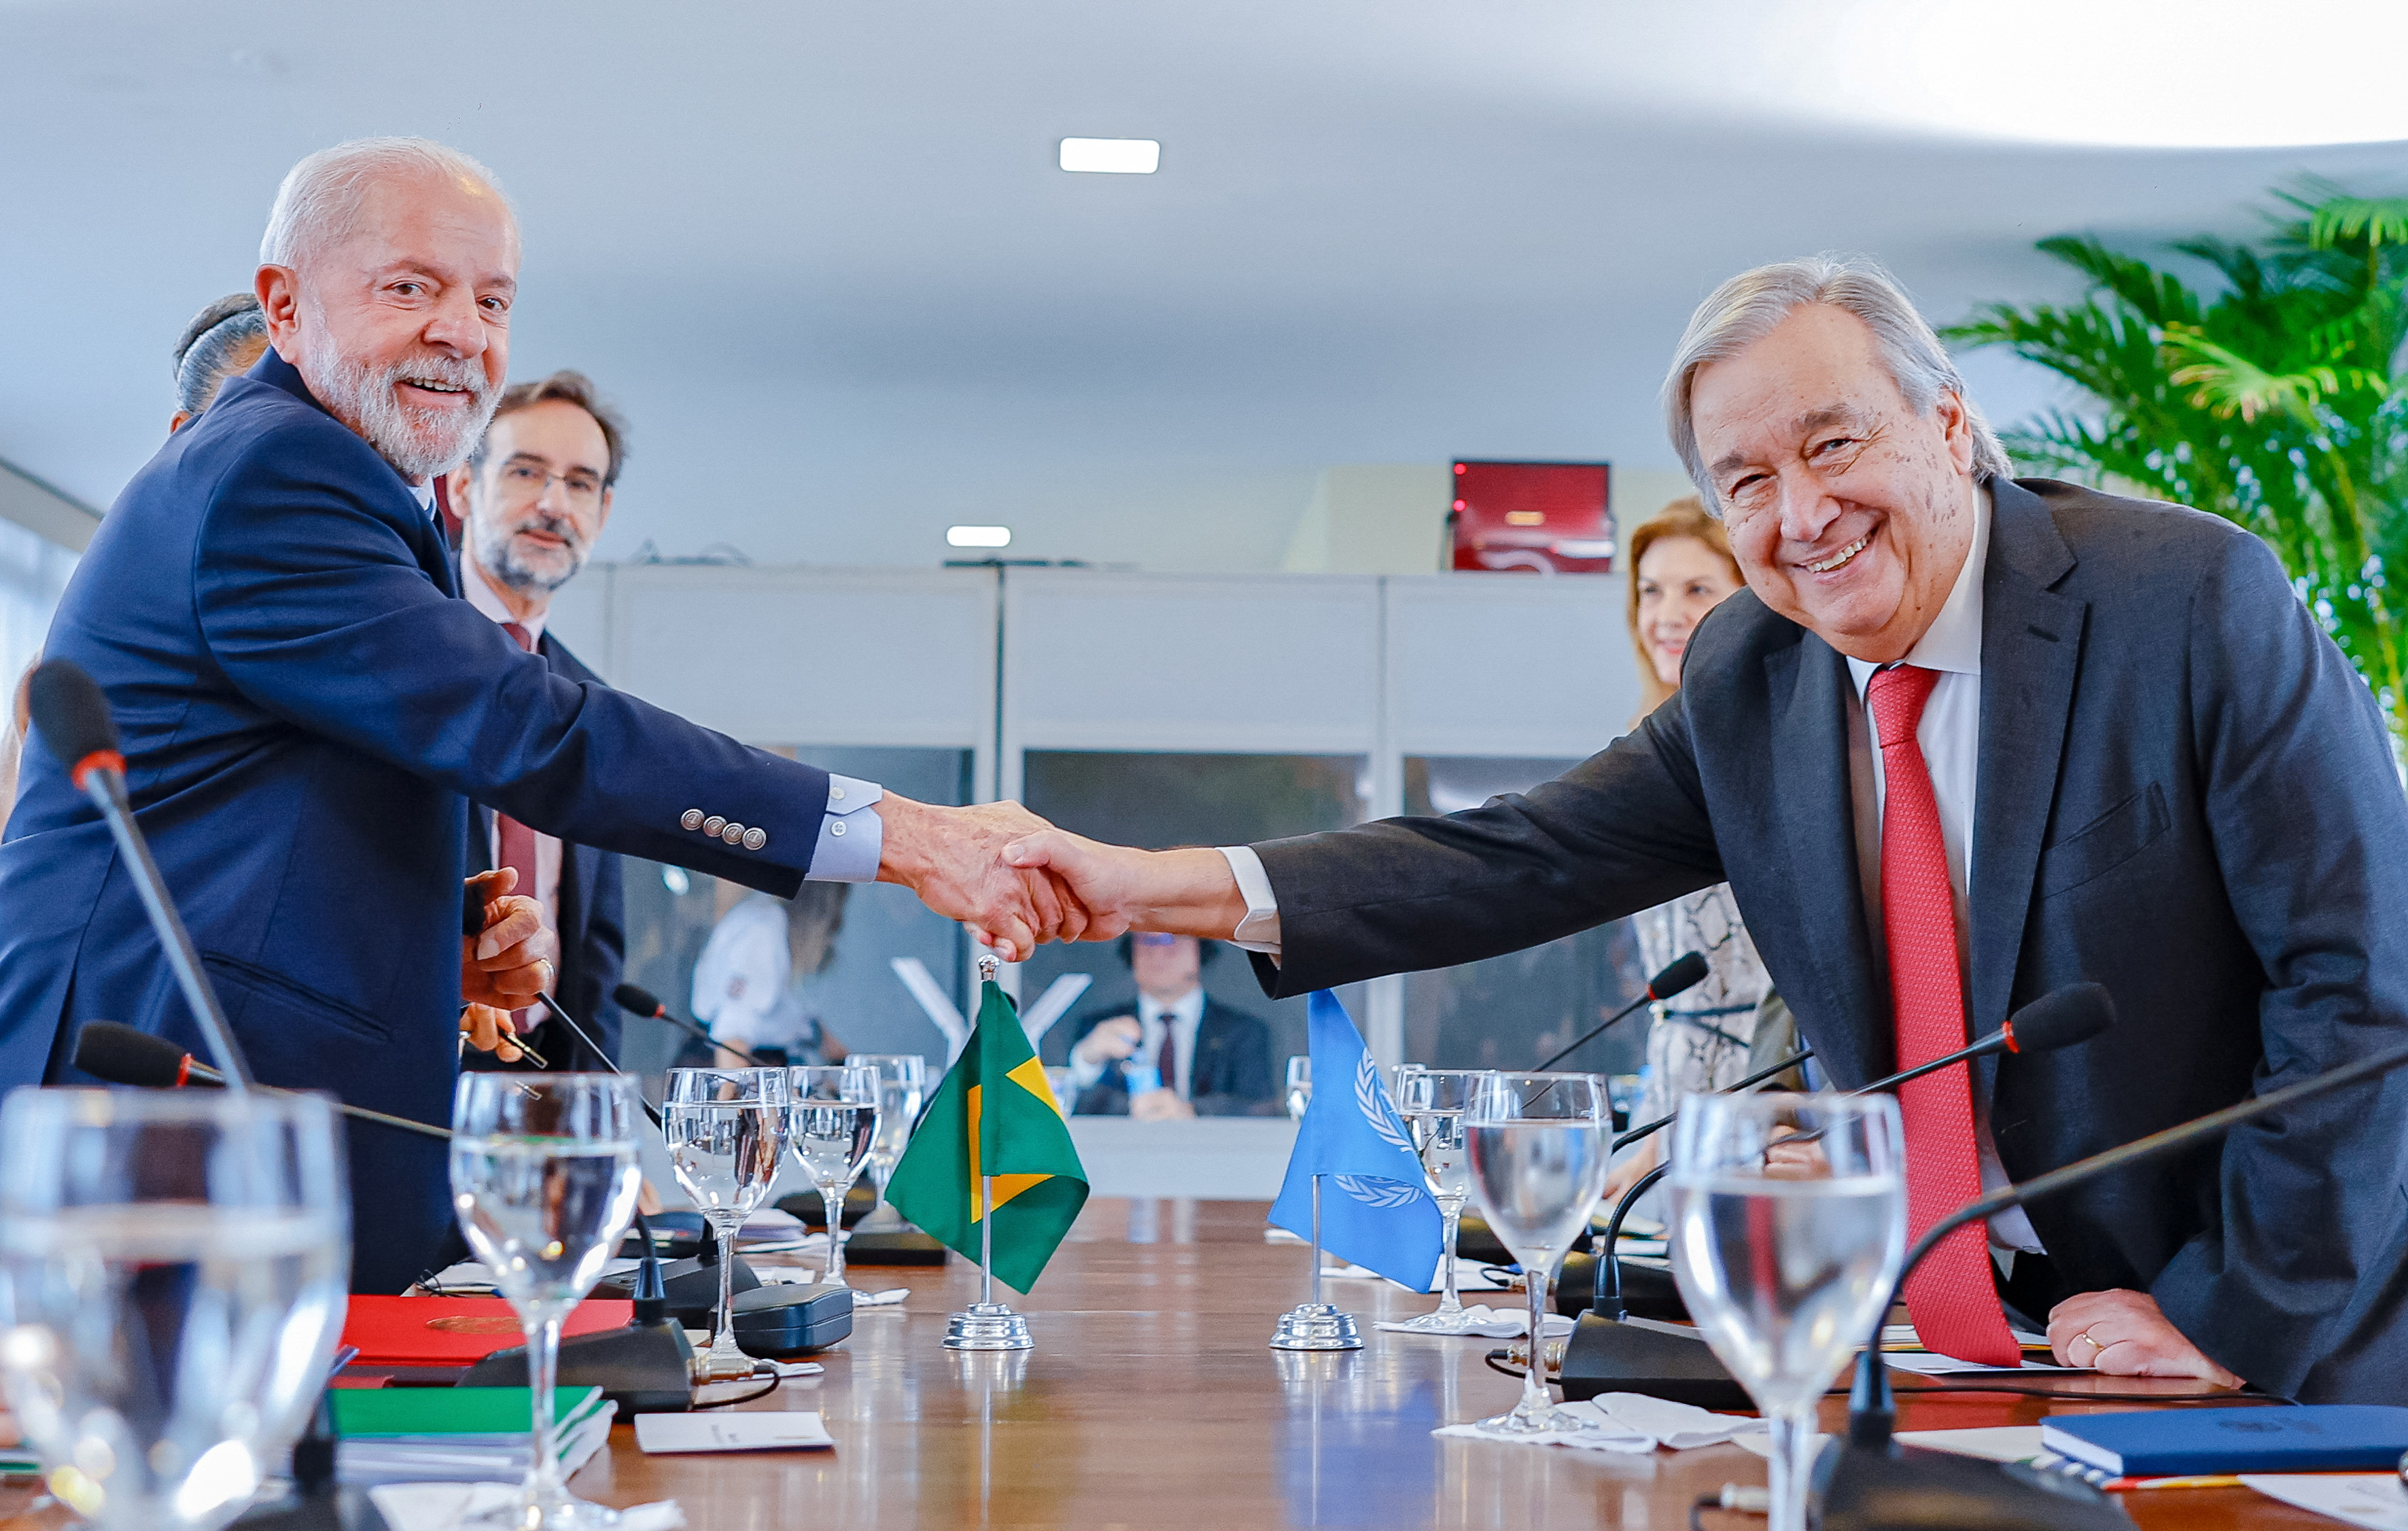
(592, 925)
(2184, 792)
(307, 708)
(1231, 1075)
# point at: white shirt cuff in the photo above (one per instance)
(1259, 931)
(852, 838)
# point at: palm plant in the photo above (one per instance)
(2279, 400)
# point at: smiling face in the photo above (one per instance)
(1680, 581)
(1849, 512)
(537, 502)
(401, 326)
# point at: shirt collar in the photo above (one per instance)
(479, 588)
(1953, 642)
(424, 494)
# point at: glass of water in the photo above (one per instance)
(835, 1126)
(544, 1178)
(902, 1086)
(1786, 1255)
(726, 1133)
(1432, 1102)
(1299, 1086)
(172, 1272)
(1539, 1147)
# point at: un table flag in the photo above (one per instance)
(994, 1115)
(1375, 1206)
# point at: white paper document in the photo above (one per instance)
(2371, 1500)
(750, 1432)
(1626, 1422)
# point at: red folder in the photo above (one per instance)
(454, 1331)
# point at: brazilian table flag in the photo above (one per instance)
(994, 1115)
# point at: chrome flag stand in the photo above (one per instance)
(1315, 1325)
(987, 1324)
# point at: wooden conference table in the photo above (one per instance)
(1152, 1400)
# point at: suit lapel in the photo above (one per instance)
(2031, 648)
(1845, 1011)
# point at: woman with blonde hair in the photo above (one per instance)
(1681, 569)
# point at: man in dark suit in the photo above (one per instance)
(532, 499)
(2184, 794)
(1207, 1059)
(308, 708)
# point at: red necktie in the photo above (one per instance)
(516, 847)
(1952, 1297)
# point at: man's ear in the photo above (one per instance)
(457, 489)
(1956, 429)
(280, 302)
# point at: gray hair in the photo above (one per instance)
(211, 345)
(1747, 307)
(321, 198)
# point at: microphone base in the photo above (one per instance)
(692, 1288)
(643, 1368)
(336, 1509)
(1910, 1490)
(1604, 1356)
(1648, 1291)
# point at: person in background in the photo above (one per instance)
(1680, 569)
(222, 341)
(747, 984)
(1212, 1060)
(532, 497)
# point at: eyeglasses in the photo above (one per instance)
(523, 480)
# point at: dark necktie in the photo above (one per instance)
(1952, 1297)
(1167, 1055)
(517, 847)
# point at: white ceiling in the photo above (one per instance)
(823, 255)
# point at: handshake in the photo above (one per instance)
(1017, 882)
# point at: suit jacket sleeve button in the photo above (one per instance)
(712, 825)
(733, 834)
(755, 839)
(689, 819)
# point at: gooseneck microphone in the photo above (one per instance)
(71, 712)
(1681, 974)
(123, 1055)
(643, 1002)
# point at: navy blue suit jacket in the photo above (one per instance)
(307, 709)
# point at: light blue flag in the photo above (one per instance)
(1375, 1207)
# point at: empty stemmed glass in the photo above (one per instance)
(1299, 1086)
(544, 1176)
(1539, 1146)
(726, 1133)
(1432, 1102)
(902, 1083)
(171, 1277)
(1785, 1257)
(835, 1126)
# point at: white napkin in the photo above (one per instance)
(2371, 1500)
(1481, 1319)
(1626, 1422)
(806, 1277)
(440, 1507)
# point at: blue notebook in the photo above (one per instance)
(2185, 1442)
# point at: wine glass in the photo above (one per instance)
(172, 1270)
(1299, 1086)
(1787, 1258)
(836, 1124)
(1539, 1146)
(726, 1134)
(902, 1084)
(544, 1177)
(1432, 1102)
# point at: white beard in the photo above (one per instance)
(419, 443)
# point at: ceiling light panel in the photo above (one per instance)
(1111, 156)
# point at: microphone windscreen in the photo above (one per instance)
(628, 997)
(1681, 974)
(70, 712)
(123, 1055)
(2063, 1017)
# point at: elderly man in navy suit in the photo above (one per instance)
(1963, 740)
(308, 707)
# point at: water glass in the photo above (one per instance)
(1539, 1146)
(1432, 1102)
(726, 1134)
(544, 1178)
(836, 1117)
(1787, 1257)
(172, 1277)
(1299, 1086)
(902, 1086)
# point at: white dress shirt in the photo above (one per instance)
(1154, 1020)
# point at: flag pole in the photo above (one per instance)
(1316, 1241)
(987, 1324)
(1315, 1325)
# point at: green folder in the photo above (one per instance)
(448, 1413)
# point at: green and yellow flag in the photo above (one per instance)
(994, 1115)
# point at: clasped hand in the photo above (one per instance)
(504, 966)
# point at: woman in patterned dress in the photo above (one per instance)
(1681, 569)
